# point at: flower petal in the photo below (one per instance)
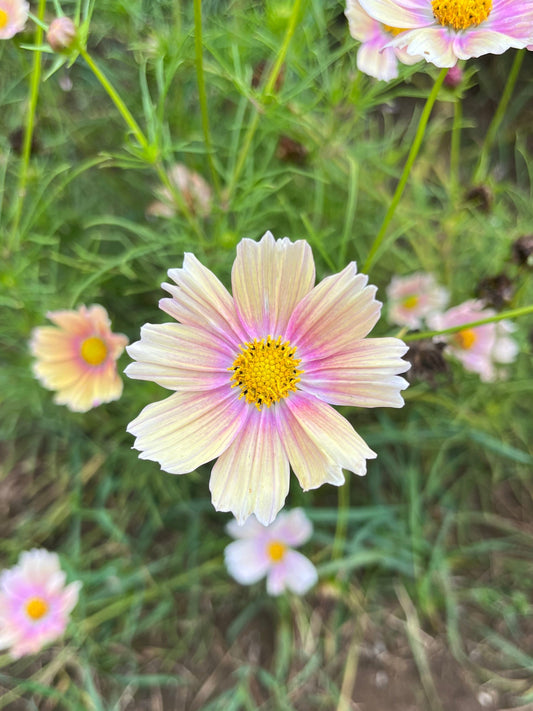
(377, 62)
(400, 13)
(301, 574)
(246, 561)
(251, 528)
(331, 432)
(484, 41)
(252, 475)
(180, 357)
(339, 310)
(311, 465)
(292, 528)
(201, 300)
(434, 44)
(268, 279)
(365, 376)
(189, 429)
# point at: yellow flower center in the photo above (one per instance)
(93, 350)
(410, 302)
(465, 339)
(4, 19)
(266, 371)
(36, 608)
(276, 551)
(461, 14)
(393, 30)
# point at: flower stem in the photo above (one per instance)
(455, 147)
(413, 152)
(512, 313)
(202, 91)
(480, 173)
(117, 100)
(35, 79)
(267, 89)
(342, 519)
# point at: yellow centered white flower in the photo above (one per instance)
(410, 302)
(36, 608)
(93, 350)
(461, 14)
(266, 371)
(4, 19)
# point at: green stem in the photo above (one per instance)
(267, 89)
(342, 519)
(413, 152)
(455, 148)
(117, 100)
(200, 78)
(480, 173)
(512, 313)
(35, 79)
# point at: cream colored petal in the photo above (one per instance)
(311, 465)
(252, 475)
(268, 279)
(189, 429)
(366, 376)
(180, 357)
(340, 311)
(201, 300)
(331, 432)
(75, 323)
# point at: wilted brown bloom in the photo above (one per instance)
(427, 361)
(481, 196)
(291, 151)
(522, 251)
(496, 291)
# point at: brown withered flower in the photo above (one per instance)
(496, 291)
(291, 151)
(427, 361)
(522, 251)
(481, 197)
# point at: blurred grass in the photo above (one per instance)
(439, 536)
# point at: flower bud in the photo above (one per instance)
(62, 34)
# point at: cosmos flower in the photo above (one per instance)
(443, 31)
(13, 16)
(196, 193)
(261, 551)
(77, 357)
(35, 603)
(374, 56)
(253, 375)
(479, 349)
(413, 298)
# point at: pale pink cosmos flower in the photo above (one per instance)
(374, 56)
(13, 16)
(77, 357)
(413, 298)
(479, 349)
(35, 603)
(443, 31)
(261, 551)
(253, 374)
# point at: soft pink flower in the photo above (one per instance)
(479, 349)
(267, 551)
(13, 16)
(78, 357)
(443, 31)
(413, 298)
(374, 56)
(35, 603)
(253, 375)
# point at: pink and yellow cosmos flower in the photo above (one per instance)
(13, 16)
(412, 298)
(267, 551)
(77, 357)
(253, 375)
(375, 57)
(35, 603)
(443, 31)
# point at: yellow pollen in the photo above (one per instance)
(465, 339)
(410, 302)
(266, 371)
(461, 14)
(36, 608)
(4, 19)
(93, 350)
(276, 551)
(393, 30)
